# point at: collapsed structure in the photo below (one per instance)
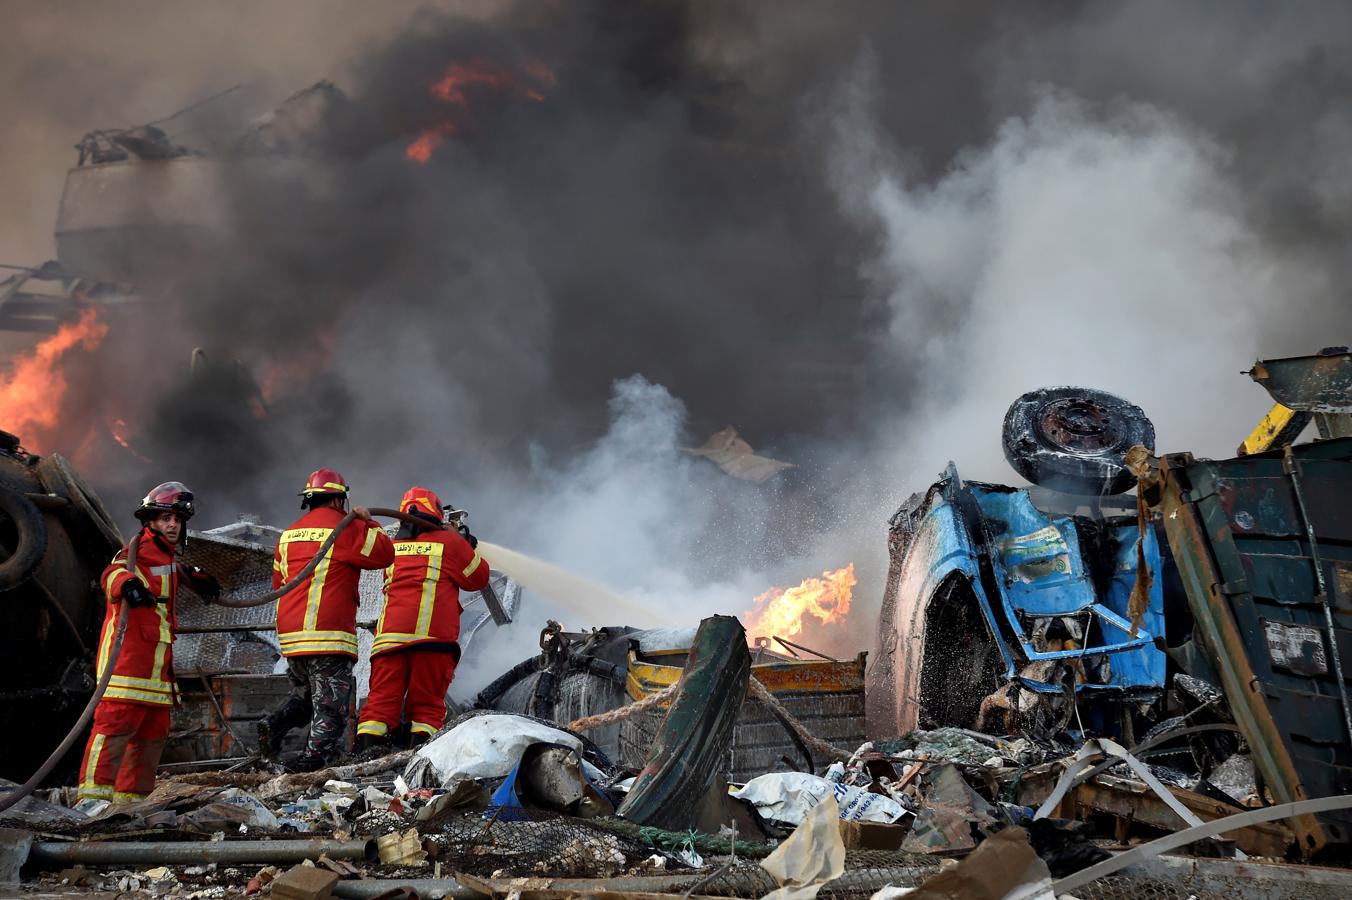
(1059, 677)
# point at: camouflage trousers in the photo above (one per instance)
(321, 695)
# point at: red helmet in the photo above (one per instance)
(421, 500)
(172, 496)
(324, 481)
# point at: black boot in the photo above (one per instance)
(369, 742)
(417, 738)
(269, 739)
(307, 763)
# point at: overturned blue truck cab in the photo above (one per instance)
(999, 609)
(1004, 602)
(1220, 593)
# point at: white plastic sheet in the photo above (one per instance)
(483, 747)
(787, 797)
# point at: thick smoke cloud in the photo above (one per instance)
(856, 232)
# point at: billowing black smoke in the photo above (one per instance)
(854, 230)
(466, 277)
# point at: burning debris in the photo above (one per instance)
(31, 394)
(781, 612)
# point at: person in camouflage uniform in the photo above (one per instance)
(317, 618)
(321, 696)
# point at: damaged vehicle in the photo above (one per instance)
(1003, 601)
(1218, 595)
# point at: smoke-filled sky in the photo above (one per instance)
(856, 231)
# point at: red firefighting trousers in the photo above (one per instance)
(407, 683)
(123, 751)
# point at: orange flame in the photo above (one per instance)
(30, 397)
(422, 149)
(453, 87)
(780, 612)
(118, 429)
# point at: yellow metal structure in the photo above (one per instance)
(809, 676)
(1281, 425)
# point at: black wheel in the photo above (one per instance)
(1075, 439)
(23, 538)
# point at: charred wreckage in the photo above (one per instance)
(1063, 672)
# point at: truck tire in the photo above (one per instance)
(23, 538)
(1075, 439)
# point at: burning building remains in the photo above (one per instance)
(445, 265)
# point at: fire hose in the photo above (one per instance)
(16, 795)
(246, 603)
(13, 797)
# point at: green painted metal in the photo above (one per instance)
(692, 745)
(1255, 583)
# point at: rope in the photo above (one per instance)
(814, 743)
(757, 690)
(617, 715)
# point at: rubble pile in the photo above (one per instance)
(501, 803)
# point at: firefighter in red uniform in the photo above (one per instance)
(415, 651)
(317, 620)
(132, 720)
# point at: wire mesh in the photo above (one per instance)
(509, 841)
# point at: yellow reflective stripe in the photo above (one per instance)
(377, 728)
(145, 684)
(371, 535)
(385, 607)
(344, 649)
(318, 642)
(105, 644)
(427, 603)
(94, 792)
(314, 535)
(335, 486)
(422, 728)
(121, 693)
(473, 564)
(95, 751)
(316, 594)
(395, 639)
(283, 550)
(126, 797)
(108, 582)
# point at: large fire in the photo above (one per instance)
(781, 613)
(32, 394)
(530, 82)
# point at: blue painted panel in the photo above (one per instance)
(1039, 571)
(1036, 558)
(1145, 667)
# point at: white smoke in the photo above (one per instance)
(1101, 248)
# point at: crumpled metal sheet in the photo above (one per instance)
(951, 811)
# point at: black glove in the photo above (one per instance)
(464, 533)
(204, 584)
(136, 594)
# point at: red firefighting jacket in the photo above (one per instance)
(144, 672)
(422, 590)
(319, 615)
